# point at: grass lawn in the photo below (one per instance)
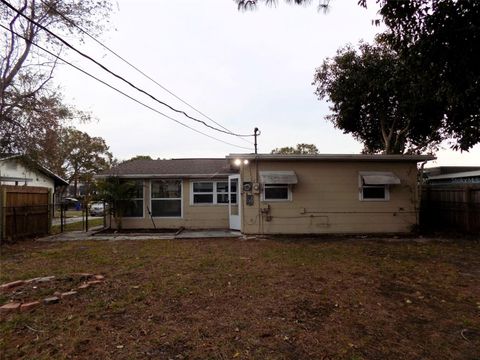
(77, 226)
(70, 213)
(232, 299)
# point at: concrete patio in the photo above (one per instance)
(95, 234)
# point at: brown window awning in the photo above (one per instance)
(380, 178)
(278, 177)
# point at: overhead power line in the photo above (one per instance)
(50, 7)
(36, 23)
(120, 91)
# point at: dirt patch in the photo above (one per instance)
(226, 298)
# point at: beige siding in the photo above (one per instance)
(194, 216)
(326, 200)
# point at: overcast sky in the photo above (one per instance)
(242, 69)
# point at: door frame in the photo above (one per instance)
(235, 221)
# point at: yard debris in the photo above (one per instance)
(83, 275)
(43, 279)
(94, 282)
(408, 301)
(84, 286)
(99, 277)
(10, 307)
(68, 294)
(120, 346)
(463, 334)
(51, 300)
(11, 285)
(29, 306)
(33, 329)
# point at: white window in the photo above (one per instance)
(276, 192)
(166, 198)
(374, 186)
(374, 193)
(212, 192)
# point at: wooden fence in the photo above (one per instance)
(451, 208)
(24, 212)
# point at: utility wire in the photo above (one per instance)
(50, 7)
(119, 91)
(115, 74)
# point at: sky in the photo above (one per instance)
(242, 69)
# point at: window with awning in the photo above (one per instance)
(374, 185)
(278, 177)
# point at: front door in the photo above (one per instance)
(234, 209)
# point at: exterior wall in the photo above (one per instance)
(193, 216)
(14, 169)
(326, 200)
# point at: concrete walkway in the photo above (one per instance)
(186, 234)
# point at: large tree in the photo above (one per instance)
(75, 155)
(436, 44)
(440, 40)
(377, 99)
(30, 105)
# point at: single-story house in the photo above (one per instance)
(18, 170)
(275, 194)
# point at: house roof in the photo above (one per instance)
(465, 174)
(333, 157)
(59, 181)
(185, 168)
(441, 170)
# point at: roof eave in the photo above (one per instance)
(333, 157)
(164, 176)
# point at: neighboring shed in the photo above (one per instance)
(27, 190)
(20, 171)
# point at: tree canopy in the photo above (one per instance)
(30, 106)
(305, 149)
(76, 155)
(420, 79)
(379, 101)
(139, 157)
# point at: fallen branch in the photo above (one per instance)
(35, 330)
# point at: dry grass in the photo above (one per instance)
(272, 299)
(76, 226)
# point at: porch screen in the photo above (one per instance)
(166, 198)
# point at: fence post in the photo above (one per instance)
(467, 193)
(50, 210)
(3, 213)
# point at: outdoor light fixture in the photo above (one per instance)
(239, 162)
